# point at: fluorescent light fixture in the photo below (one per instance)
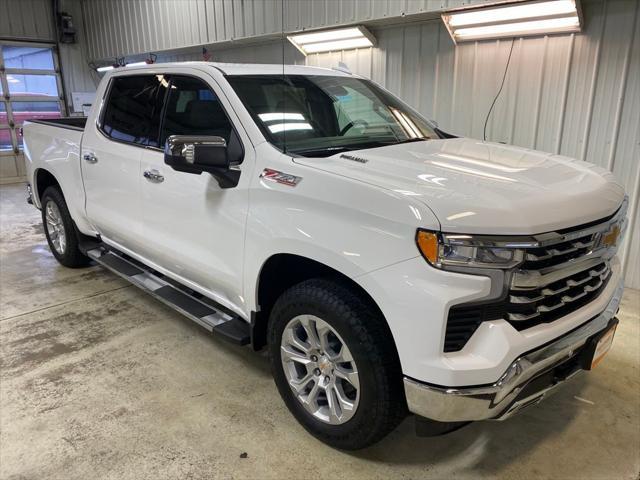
(136, 64)
(104, 69)
(332, 40)
(270, 117)
(514, 20)
(286, 127)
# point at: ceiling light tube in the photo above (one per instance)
(136, 64)
(514, 20)
(525, 11)
(332, 40)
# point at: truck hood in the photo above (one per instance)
(480, 187)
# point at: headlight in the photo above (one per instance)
(443, 251)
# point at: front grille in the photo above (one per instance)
(559, 273)
(544, 257)
(527, 308)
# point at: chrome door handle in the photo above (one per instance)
(153, 176)
(90, 157)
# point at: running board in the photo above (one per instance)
(191, 305)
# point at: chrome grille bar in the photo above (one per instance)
(547, 294)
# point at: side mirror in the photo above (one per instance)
(195, 154)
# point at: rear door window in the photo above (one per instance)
(133, 109)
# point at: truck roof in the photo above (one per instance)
(247, 68)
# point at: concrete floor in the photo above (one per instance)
(98, 380)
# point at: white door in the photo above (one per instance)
(111, 156)
(193, 227)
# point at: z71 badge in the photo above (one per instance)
(280, 177)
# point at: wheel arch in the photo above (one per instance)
(271, 284)
(44, 179)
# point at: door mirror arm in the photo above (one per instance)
(197, 154)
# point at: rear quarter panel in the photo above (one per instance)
(57, 150)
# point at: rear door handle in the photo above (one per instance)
(90, 158)
(153, 176)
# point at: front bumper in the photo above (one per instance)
(525, 382)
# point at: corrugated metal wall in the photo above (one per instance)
(576, 95)
(26, 20)
(77, 75)
(129, 27)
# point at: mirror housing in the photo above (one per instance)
(197, 154)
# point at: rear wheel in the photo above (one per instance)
(335, 364)
(60, 230)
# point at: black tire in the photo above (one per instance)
(382, 405)
(71, 256)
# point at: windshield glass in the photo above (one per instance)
(317, 115)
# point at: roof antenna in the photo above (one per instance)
(342, 67)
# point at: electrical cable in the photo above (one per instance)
(504, 76)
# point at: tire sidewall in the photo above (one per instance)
(54, 196)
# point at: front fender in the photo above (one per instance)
(350, 226)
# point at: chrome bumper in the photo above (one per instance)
(508, 395)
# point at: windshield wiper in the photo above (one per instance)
(321, 152)
(411, 140)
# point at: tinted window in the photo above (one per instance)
(132, 109)
(193, 109)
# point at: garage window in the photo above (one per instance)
(30, 88)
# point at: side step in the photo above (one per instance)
(203, 311)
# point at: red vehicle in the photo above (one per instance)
(22, 111)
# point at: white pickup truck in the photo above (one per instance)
(387, 266)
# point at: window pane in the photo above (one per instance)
(34, 110)
(32, 84)
(322, 115)
(193, 109)
(132, 103)
(28, 57)
(3, 114)
(5, 140)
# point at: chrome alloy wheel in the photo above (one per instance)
(55, 228)
(320, 369)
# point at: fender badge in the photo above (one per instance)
(280, 177)
(353, 158)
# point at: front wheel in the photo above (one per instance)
(335, 364)
(60, 230)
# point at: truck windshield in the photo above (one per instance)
(317, 115)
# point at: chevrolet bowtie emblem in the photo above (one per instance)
(610, 238)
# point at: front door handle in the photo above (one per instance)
(90, 158)
(153, 176)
